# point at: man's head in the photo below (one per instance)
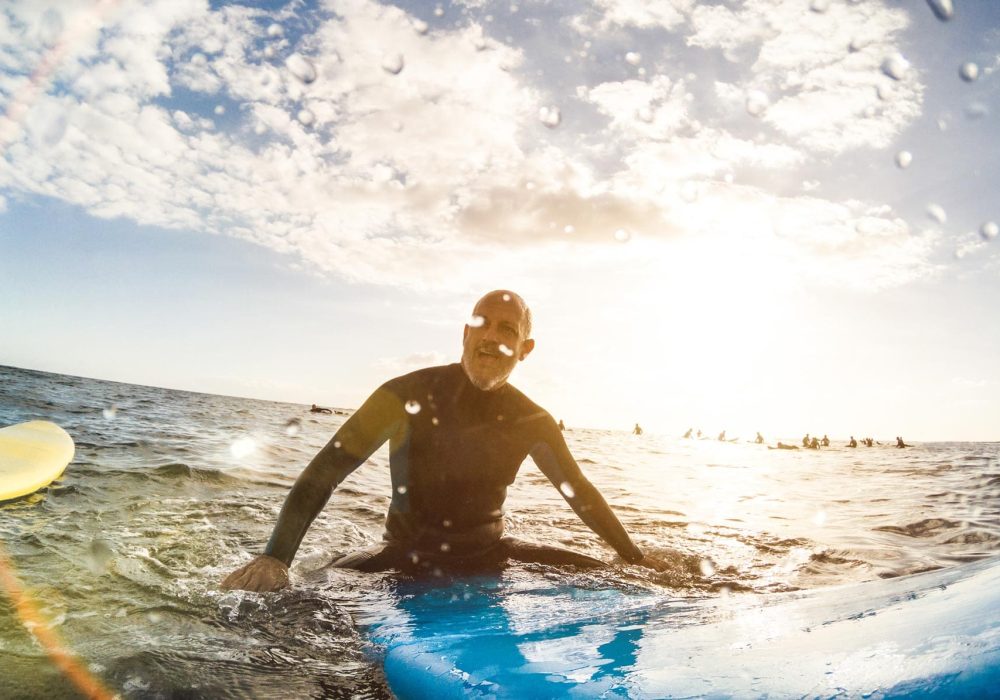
(497, 337)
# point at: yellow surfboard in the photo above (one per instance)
(32, 456)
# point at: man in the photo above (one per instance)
(457, 437)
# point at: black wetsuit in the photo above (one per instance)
(454, 450)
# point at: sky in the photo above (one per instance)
(773, 215)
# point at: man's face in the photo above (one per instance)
(494, 341)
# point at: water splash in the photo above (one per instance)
(550, 116)
(944, 10)
(707, 567)
(301, 67)
(989, 230)
(400, 490)
(292, 427)
(110, 413)
(412, 407)
(505, 350)
(393, 63)
(904, 159)
(475, 321)
(622, 236)
(895, 66)
(757, 103)
(968, 72)
(567, 489)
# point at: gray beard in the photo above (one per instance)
(485, 384)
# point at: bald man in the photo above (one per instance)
(457, 437)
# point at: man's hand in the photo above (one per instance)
(265, 573)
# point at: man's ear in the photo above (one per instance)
(526, 348)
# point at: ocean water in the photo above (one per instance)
(170, 490)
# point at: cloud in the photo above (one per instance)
(440, 175)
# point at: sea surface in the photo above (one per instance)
(119, 562)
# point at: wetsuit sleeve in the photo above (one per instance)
(362, 434)
(554, 459)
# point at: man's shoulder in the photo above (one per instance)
(526, 408)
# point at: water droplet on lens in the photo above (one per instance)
(943, 9)
(420, 27)
(989, 230)
(98, 557)
(506, 297)
(567, 489)
(434, 420)
(476, 321)
(306, 117)
(110, 413)
(689, 191)
(895, 66)
(622, 236)
(445, 547)
(968, 71)
(412, 407)
(155, 617)
(292, 427)
(301, 67)
(707, 567)
(50, 27)
(269, 52)
(505, 350)
(820, 6)
(243, 447)
(414, 557)
(336, 444)
(568, 228)
(634, 58)
(199, 59)
(439, 11)
(757, 103)
(219, 110)
(976, 110)
(644, 114)
(275, 30)
(937, 212)
(446, 523)
(884, 92)
(903, 159)
(393, 63)
(820, 518)
(550, 116)
(400, 490)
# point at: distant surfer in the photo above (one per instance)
(825, 441)
(688, 433)
(637, 430)
(853, 442)
(783, 446)
(562, 426)
(319, 409)
(900, 443)
(805, 440)
(457, 437)
(760, 438)
(722, 436)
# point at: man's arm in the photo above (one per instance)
(555, 461)
(362, 434)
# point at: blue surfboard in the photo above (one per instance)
(526, 635)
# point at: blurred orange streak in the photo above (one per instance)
(21, 101)
(35, 623)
